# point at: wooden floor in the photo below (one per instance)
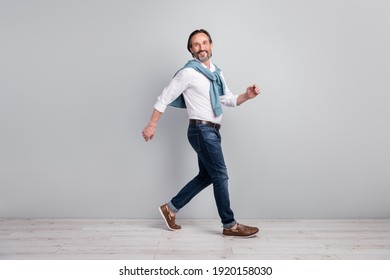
(198, 239)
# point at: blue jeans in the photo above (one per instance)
(206, 141)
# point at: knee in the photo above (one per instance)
(204, 178)
(224, 174)
(222, 177)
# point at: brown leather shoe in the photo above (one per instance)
(241, 230)
(169, 220)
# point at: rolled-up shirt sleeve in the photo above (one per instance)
(177, 86)
(228, 99)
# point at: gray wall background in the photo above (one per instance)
(79, 80)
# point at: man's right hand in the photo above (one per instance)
(148, 132)
(150, 129)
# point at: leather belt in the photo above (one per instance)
(215, 125)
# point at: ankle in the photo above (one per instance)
(234, 227)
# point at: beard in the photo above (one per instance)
(205, 57)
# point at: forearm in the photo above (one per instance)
(251, 92)
(150, 128)
(242, 98)
(156, 115)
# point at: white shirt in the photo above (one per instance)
(196, 91)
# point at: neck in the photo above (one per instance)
(207, 63)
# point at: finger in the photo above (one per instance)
(255, 88)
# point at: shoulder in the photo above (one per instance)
(183, 76)
(185, 72)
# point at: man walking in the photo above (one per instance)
(200, 87)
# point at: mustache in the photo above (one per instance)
(202, 51)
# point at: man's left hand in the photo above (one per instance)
(252, 91)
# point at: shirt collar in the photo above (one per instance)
(212, 66)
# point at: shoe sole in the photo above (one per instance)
(165, 220)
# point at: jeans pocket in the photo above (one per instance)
(211, 135)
